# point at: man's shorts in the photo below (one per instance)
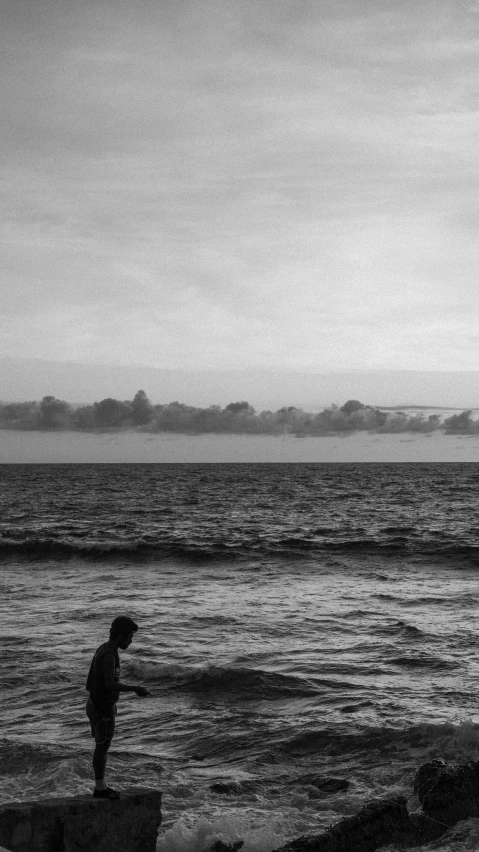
(102, 722)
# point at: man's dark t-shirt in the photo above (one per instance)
(105, 667)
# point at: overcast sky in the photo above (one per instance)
(285, 184)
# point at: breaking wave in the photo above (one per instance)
(241, 683)
(227, 548)
(451, 740)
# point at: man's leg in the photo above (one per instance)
(102, 729)
(99, 764)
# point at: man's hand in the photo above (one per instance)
(141, 691)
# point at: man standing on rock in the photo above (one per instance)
(104, 685)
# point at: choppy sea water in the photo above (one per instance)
(296, 621)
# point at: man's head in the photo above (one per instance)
(122, 630)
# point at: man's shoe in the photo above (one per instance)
(108, 793)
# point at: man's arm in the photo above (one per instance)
(112, 685)
(116, 686)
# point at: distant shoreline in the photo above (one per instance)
(139, 414)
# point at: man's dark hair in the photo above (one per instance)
(122, 625)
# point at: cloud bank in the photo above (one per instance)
(251, 183)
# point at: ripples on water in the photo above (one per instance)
(296, 621)
(238, 510)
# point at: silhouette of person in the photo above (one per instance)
(104, 685)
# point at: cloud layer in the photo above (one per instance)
(211, 183)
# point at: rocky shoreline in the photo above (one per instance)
(447, 794)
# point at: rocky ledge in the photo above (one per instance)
(83, 824)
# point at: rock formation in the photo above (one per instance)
(324, 785)
(226, 789)
(447, 794)
(378, 823)
(83, 824)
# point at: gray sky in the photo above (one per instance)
(236, 184)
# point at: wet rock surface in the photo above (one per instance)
(228, 788)
(447, 793)
(325, 785)
(364, 832)
(83, 824)
(219, 846)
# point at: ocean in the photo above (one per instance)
(297, 622)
